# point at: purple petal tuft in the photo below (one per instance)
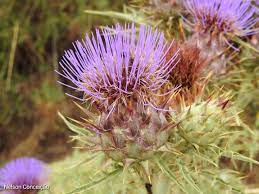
(23, 171)
(237, 17)
(118, 62)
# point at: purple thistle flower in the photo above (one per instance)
(23, 171)
(118, 63)
(228, 17)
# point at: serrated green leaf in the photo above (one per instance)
(95, 183)
(169, 173)
(201, 156)
(238, 156)
(118, 15)
(161, 184)
(85, 161)
(187, 177)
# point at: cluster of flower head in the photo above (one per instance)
(130, 74)
(119, 63)
(17, 176)
(121, 70)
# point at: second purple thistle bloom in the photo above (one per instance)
(233, 17)
(23, 176)
(116, 63)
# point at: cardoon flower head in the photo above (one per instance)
(223, 17)
(123, 71)
(23, 172)
(117, 64)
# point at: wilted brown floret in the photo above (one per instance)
(190, 66)
(188, 74)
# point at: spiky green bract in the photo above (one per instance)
(130, 133)
(135, 134)
(209, 124)
(199, 140)
(204, 123)
(186, 162)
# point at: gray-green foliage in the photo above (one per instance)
(187, 163)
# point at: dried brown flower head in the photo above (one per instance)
(190, 66)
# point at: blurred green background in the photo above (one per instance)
(33, 37)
